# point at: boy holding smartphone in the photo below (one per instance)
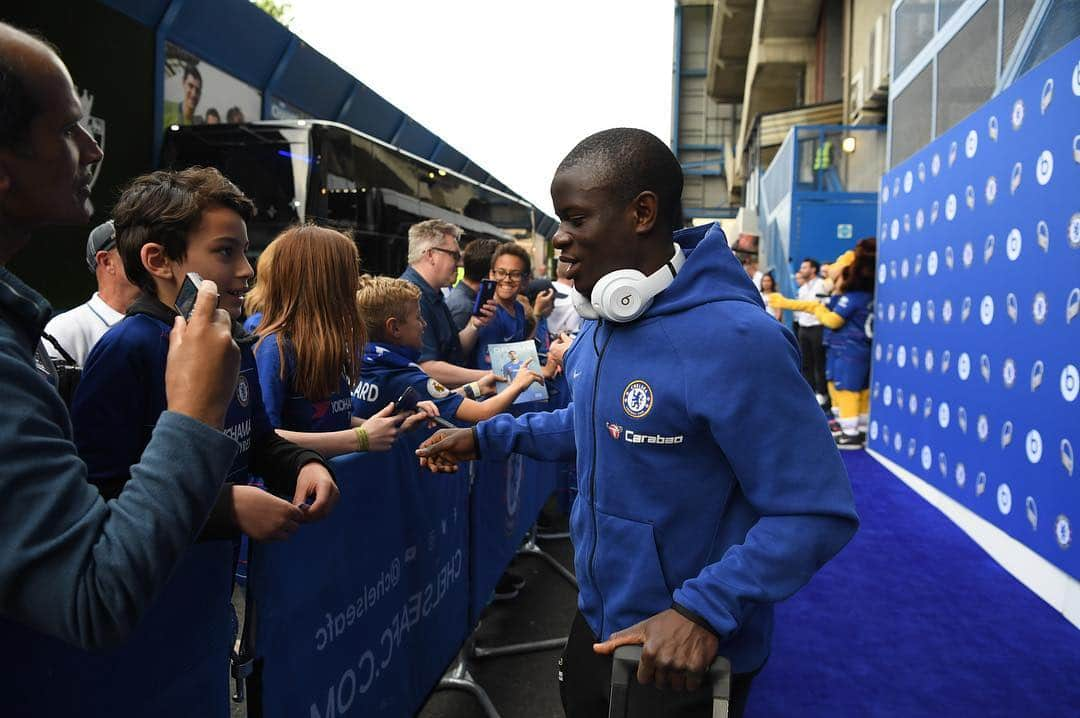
(168, 225)
(391, 310)
(475, 263)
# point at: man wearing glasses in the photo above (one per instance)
(434, 256)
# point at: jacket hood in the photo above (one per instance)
(711, 274)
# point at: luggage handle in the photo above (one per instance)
(626, 662)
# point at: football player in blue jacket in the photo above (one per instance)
(695, 512)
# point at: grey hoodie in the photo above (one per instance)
(72, 565)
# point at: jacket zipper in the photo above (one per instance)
(592, 478)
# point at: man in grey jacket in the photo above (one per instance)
(72, 565)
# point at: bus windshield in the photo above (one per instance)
(340, 178)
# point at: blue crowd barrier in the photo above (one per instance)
(359, 614)
(506, 498)
(362, 613)
(174, 666)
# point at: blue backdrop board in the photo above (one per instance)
(360, 614)
(175, 665)
(977, 329)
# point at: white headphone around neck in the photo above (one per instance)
(625, 294)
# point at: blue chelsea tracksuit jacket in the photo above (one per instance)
(708, 479)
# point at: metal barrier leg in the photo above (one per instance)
(556, 536)
(517, 649)
(458, 678)
(530, 548)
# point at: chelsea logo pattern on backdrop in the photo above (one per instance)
(976, 363)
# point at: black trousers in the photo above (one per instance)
(813, 358)
(585, 686)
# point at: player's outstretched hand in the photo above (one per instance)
(446, 449)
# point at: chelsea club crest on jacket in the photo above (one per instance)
(708, 478)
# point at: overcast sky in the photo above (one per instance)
(514, 85)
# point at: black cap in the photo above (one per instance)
(542, 285)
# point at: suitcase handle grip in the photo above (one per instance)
(625, 665)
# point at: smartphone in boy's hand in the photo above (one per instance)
(203, 361)
(189, 290)
(408, 402)
(484, 294)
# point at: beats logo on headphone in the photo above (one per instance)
(625, 294)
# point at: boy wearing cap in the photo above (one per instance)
(79, 329)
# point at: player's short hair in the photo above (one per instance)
(629, 161)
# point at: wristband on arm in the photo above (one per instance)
(362, 441)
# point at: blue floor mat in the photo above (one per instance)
(912, 618)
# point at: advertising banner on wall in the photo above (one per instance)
(976, 365)
(198, 93)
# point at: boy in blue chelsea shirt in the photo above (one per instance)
(395, 326)
(696, 512)
(169, 224)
